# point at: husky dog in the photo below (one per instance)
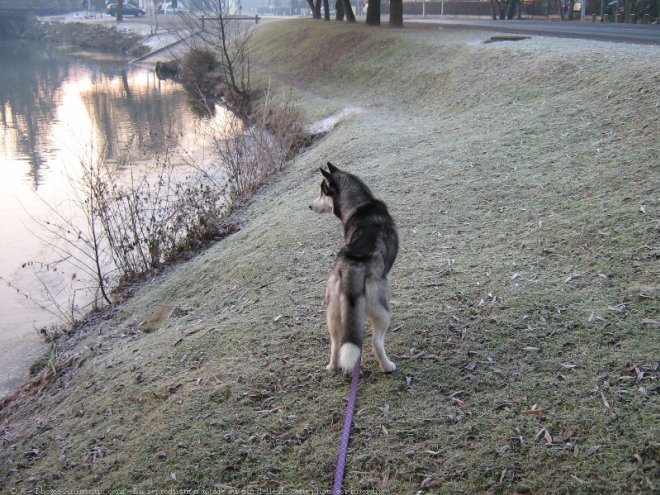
(357, 287)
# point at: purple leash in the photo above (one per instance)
(346, 433)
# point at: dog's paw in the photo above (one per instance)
(331, 368)
(387, 367)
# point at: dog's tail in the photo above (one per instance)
(349, 353)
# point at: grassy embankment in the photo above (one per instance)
(524, 180)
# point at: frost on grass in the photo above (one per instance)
(524, 299)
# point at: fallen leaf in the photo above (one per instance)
(173, 476)
(503, 449)
(385, 480)
(593, 450)
(619, 308)
(535, 411)
(277, 318)
(429, 483)
(157, 319)
(649, 483)
(607, 404)
(642, 208)
(547, 436)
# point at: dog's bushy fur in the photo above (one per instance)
(357, 288)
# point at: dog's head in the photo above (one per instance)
(329, 189)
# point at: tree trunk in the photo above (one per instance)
(339, 9)
(120, 10)
(326, 9)
(495, 7)
(561, 10)
(513, 4)
(348, 10)
(317, 9)
(373, 13)
(311, 5)
(396, 13)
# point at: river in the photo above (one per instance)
(57, 108)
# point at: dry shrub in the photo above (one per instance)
(134, 217)
(261, 149)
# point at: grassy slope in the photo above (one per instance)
(527, 275)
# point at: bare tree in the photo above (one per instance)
(227, 38)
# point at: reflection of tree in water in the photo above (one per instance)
(131, 110)
(29, 80)
(124, 107)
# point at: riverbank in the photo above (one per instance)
(27, 310)
(80, 97)
(95, 36)
(524, 297)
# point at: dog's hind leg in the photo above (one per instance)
(379, 314)
(333, 318)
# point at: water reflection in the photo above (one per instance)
(28, 102)
(55, 109)
(102, 104)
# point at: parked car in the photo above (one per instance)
(129, 9)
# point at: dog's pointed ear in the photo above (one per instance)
(325, 173)
(332, 168)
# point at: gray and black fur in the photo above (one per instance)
(357, 288)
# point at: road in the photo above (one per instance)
(620, 33)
